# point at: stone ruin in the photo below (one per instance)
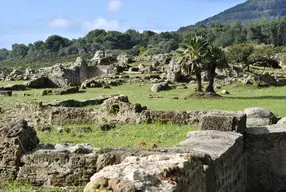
(106, 69)
(228, 153)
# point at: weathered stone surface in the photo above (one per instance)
(228, 121)
(16, 139)
(68, 90)
(174, 71)
(63, 165)
(40, 83)
(77, 103)
(119, 109)
(266, 158)
(259, 116)
(282, 121)
(98, 83)
(62, 115)
(160, 87)
(163, 172)
(163, 58)
(181, 117)
(124, 60)
(101, 58)
(227, 169)
(15, 75)
(66, 74)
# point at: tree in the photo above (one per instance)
(19, 50)
(216, 59)
(4, 54)
(95, 36)
(55, 42)
(240, 53)
(194, 53)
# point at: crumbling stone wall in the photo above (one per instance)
(266, 158)
(229, 158)
(16, 139)
(226, 168)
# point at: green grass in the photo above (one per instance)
(272, 98)
(163, 135)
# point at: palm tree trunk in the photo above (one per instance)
(211, 75)
(199, 82)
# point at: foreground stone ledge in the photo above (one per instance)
(165, 172)
(266, 158)
(206, 161)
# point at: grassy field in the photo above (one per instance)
(272, 98)
(142, 135)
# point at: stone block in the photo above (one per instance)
(265, 147)
(224, 122)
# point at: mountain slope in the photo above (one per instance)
(249, 11)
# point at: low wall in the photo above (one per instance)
(266, 158)
(208, 160)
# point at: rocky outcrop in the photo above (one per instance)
(281, 59)
(66, 74)
(102, 58)
(124, 60)
(118, 109)
(97, 83)
(163, 58)
(16, 139)
(40, 83)
(67, 90)
(259, 116)
(160, 87)
(174, 71)
(15, 75)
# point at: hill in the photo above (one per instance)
(250, 11)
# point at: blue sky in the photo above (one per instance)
(26, 21)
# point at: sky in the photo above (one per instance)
(26, 21)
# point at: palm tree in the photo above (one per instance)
(194, 53)
(216, 59)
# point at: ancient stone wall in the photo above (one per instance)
(266, 158)
(226, 169)
(208, 160)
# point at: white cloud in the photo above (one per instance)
(114, 5)
(87, 25)
(60, 23)
(102, 23)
